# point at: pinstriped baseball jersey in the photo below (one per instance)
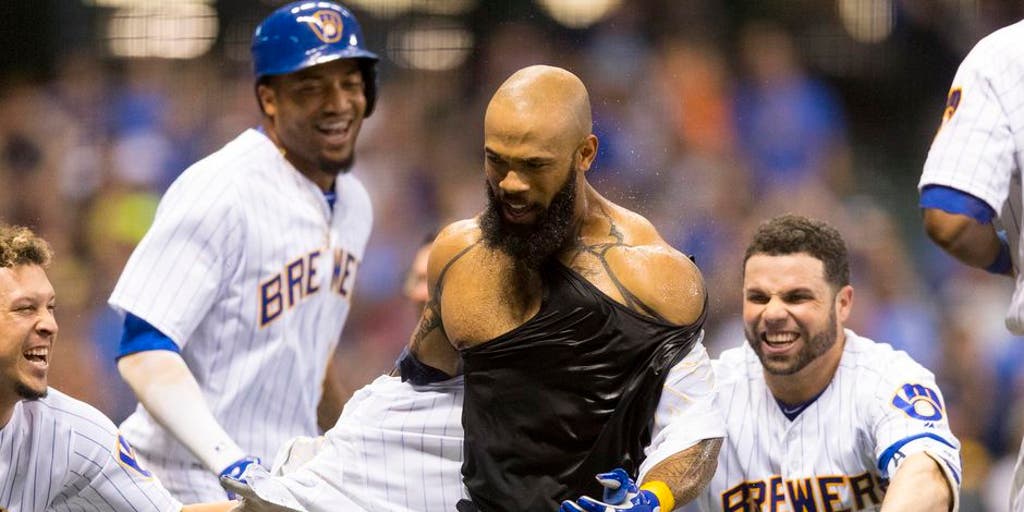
(57, 453)
(249, 271)
(979, 148)
(399, 447)
(395, 448)
(839, 452)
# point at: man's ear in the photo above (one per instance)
(588, 152)
(844, 303)
(268, 99)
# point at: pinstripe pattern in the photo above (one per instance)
(237, 219)
(59, 454)
(399, 448)
(395, 448)
(980, 148)
(834, 445)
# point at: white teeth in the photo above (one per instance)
(334, 126)
(38, 352)
(780, 337)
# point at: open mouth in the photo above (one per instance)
(516, 213)
(38, 356)
(779, 340)
(336, 132)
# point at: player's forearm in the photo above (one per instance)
(688, 472)
(963, 237)
(918, 486)
(166, 388)
(335, 394)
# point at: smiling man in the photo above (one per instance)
(59, 453)
(235, 299)
(818, 417)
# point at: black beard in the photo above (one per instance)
(28, 393)
(336, 168)
(530, 245)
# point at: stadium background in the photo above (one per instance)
(712, 114)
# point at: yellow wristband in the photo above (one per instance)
(664, 494)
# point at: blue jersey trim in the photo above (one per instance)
(331, 197)
(956, 475)
(140, 336)
(890, 452)
(792, 411)
(951, 200)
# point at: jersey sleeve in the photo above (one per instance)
(906, 414)
(688, 410)
(176, 272)
(974, 148)
(106, 474)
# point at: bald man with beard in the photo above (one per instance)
(575, 328)
(565, 313)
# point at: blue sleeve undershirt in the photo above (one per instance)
(951, 200)
(140, 336)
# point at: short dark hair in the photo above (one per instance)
(20, 246)
(792, 234)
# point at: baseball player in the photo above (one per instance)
(235, 299)
(971, 184)
(568, 313)
(56, 453)
(818, 417)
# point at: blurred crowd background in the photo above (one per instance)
(712, 114)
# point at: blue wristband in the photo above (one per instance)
(1003, 263)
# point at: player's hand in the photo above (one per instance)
(236, 471)
(250, 501)
(620, 494)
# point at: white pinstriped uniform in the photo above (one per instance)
(980, 147)
(839, 452)
(247, 270)
(980, 150)
(398, 447)
(60, 454)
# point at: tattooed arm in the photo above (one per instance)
(688, 472)
(429, 343)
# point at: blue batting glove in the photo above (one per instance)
(237, 469)
(620, 494)
(617, 484)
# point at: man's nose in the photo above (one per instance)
(513, 183)
(47, 325)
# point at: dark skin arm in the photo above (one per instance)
(335, 394)
(964, 238)
(429, 342)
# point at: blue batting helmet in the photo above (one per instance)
(306, 33)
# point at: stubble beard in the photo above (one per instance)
(815, 346)
(26, 392)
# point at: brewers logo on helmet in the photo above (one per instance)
(327, 25)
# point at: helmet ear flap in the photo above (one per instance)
(369, 70)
